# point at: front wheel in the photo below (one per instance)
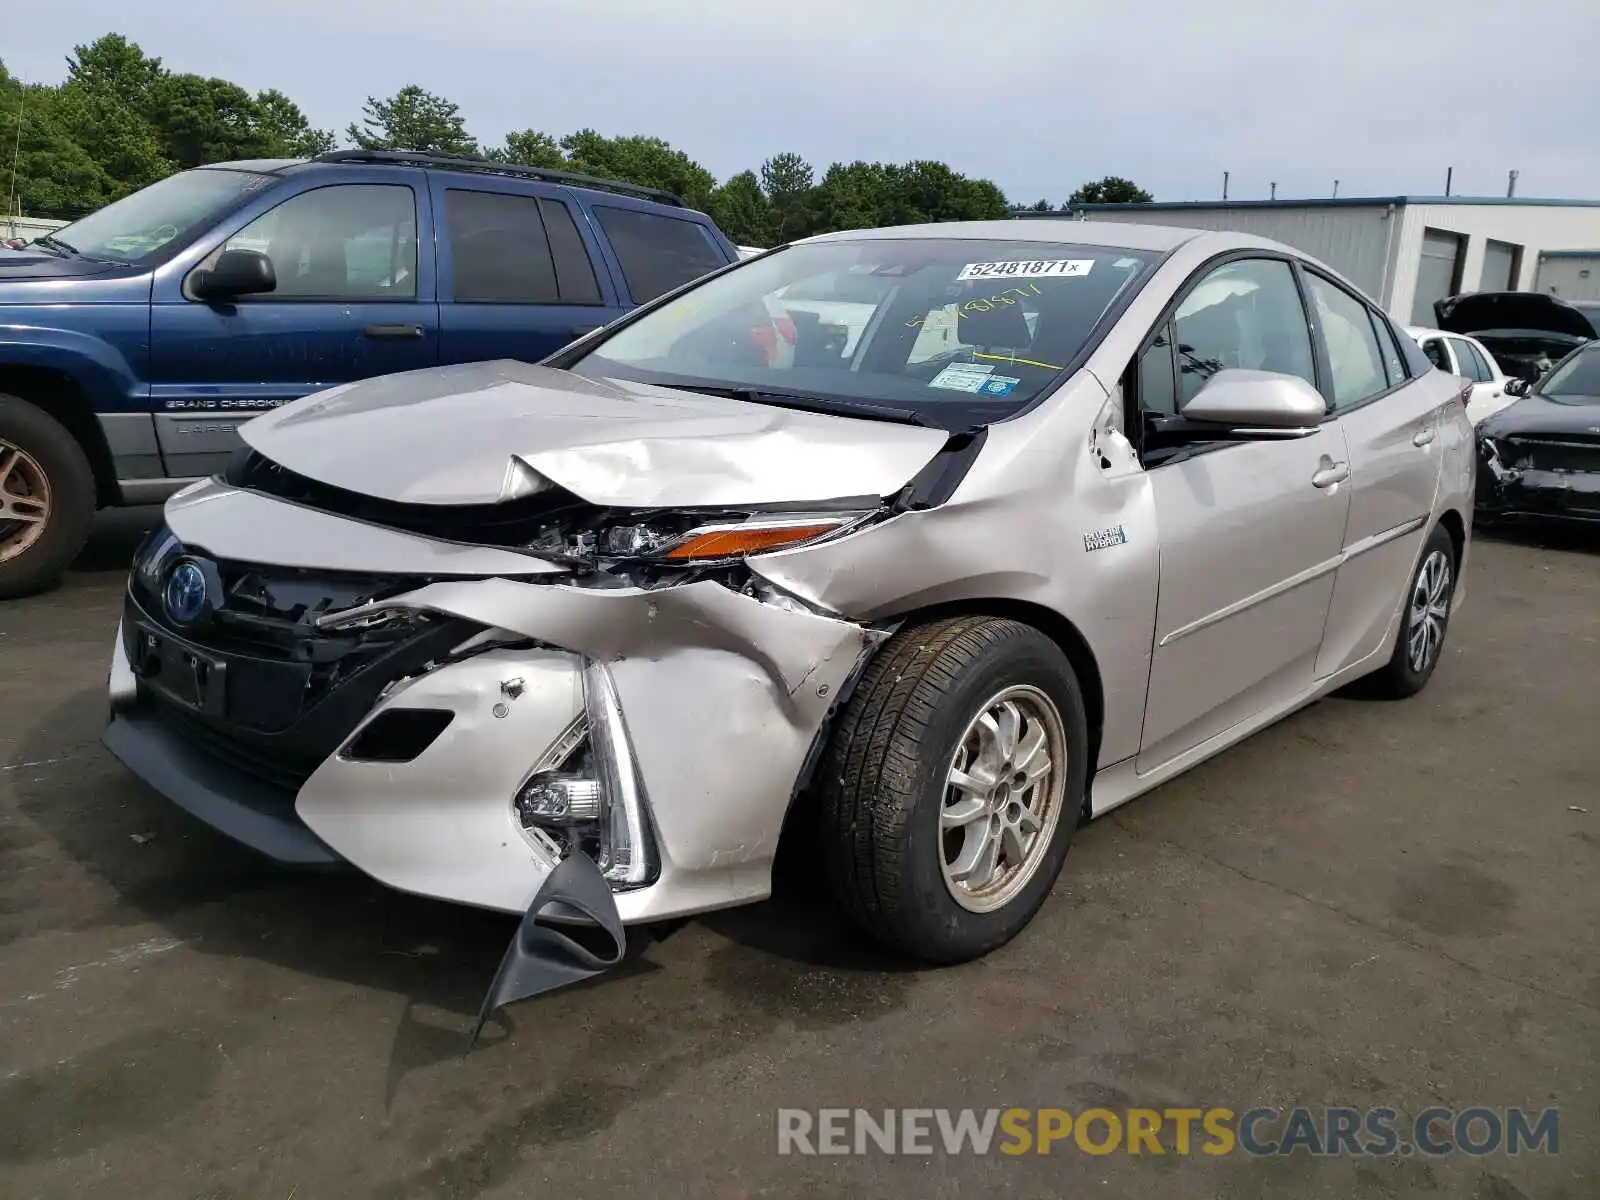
(47, 498)
(952, 786)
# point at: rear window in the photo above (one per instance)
(657, 253)
(955, 329)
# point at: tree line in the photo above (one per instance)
(121, 120)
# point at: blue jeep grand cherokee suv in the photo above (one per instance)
(135, 341)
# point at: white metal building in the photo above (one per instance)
(1408, 251)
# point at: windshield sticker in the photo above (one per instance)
(1035, 269)
(962, 377)
(980, 304)
(998, 385)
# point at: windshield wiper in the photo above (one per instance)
(54, 242)
(817, 404)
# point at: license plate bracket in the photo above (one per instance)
(182, 673)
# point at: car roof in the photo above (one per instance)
(1111, 234)
(461, 164)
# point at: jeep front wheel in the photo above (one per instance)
(47, 498)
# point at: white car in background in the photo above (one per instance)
(1457, 354)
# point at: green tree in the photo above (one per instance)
(646, 161)
(530, 148)
(1040, 206)
(787, 181)
(113, 66)
(741, 210)
(1113, 189)
(54, 176)
(285, 132)
(199, 120)
(412, 119)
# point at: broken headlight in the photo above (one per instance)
(586, 795)
(684, 538)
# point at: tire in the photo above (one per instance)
(1403, 675)
(883, 786)
(40, 460)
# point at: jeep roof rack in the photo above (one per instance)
(463, 162)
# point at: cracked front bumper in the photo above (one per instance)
(722, 698)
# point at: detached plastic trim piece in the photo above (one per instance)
(544, 955)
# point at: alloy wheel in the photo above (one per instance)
(24, 501)
(1004, 792)
(1429, 611)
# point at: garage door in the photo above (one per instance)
(1438, 274)
(1572, 276)
(1500, 267)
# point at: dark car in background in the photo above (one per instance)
(1540, 458)
(133, 342)
(1527, 332)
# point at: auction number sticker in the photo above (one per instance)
(1036, 269)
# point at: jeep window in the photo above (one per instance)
(499, 253)
(657, 253)
(355, 241)
(165, 215)
(575, 277)
(953, 330)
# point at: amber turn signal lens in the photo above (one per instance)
(737, 543)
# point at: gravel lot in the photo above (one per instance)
(1368, 905)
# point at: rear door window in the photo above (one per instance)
(1472, 366)
(1351, 343)
(1481, 362)
(657, 253)
(499, 253)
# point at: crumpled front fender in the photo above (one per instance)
(723, 696)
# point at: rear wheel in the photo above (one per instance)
(1424, 621)
(47, 498)
(952, 786)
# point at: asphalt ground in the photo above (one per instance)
(1371, 905)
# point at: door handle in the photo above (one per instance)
(1331, 474)
(393, 332)
(1422, 437)
(581, 330)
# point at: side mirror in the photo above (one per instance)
(237, 273)
(1518, 387)
(1257, 404)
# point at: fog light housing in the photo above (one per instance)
(586, 794)
(560, 799)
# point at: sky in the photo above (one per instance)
(1037, 95)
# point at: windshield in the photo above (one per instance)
(1576, 381)
(139, 226)
(949, 331)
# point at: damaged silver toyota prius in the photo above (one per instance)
(992, 528)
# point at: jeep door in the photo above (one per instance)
(353, 299)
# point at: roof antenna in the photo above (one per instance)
(1449, 174)
(1335, 189)
(1511, 184)
(1225, 185)
(1274, 191)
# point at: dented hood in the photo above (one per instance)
(484, 432)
